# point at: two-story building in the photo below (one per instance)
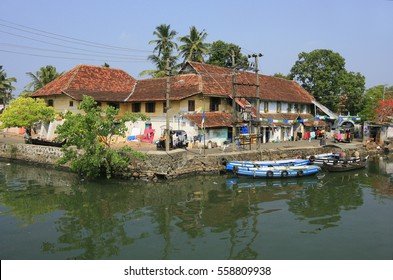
(200, 97)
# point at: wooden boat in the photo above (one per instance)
(345, 166)
(276, 171)
(331, 159)
(42, 142)
(284, 162)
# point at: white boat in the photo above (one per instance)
(283, 162)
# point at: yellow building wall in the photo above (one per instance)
(61, 103)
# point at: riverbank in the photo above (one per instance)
(181, 162)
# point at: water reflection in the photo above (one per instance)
(183, 219)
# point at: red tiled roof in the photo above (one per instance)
(218, 81)
(104, 84)
(181, 86)
(212, 119)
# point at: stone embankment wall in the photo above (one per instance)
(31, 153)
(166, 165)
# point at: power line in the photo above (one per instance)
(69, 58)
(74, 53)
(53, 44)
(67, 38)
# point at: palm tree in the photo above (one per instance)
(42, 77)
(164, 43)
(193, 48)
(164, 49)
(6, 86)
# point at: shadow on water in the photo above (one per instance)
(200, 217)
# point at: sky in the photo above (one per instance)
(64, 34)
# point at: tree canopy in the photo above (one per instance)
(163, 51)
(220, 54)
(6, 86)
(42, 77)
(371, 101)
(91, 133)
(26, 112)
(322, 73)
(194, 48)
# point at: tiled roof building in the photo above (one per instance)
(102, 83)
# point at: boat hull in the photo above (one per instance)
(277, 171)
(345, 166)
(286, 162)
(331, 159)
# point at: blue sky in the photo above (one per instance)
(361, 31)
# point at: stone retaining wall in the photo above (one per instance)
(31, 153)
(166, 165)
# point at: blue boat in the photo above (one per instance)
(284, 162)
(276, 171)
(251, 183)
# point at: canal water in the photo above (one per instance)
(49, 214)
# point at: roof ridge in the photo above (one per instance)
(78, 67)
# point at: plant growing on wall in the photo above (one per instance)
(91, 133)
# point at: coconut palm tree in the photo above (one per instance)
(42, 77)
(193, 48)
(164, 51)
(6, 86)
(164, 44)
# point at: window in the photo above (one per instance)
(302, 108)
(214, 104)
(278, 107)
(164, 107)
(290, 106)
(266, 107)
(150, 107)
(71, 103)
(136, 107)
(114, 105)
(191, 105)
(50, 102)
(296, 107)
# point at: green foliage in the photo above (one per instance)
(282, 76)
(25, 112)
(220, 54)
(6, 86)
(370, 101)
(322, 73)
(91, 134)
(42, 77)
(164, 48)
(194, 48)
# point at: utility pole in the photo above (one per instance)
(234, 121)
(255, 56)
(168, 91)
